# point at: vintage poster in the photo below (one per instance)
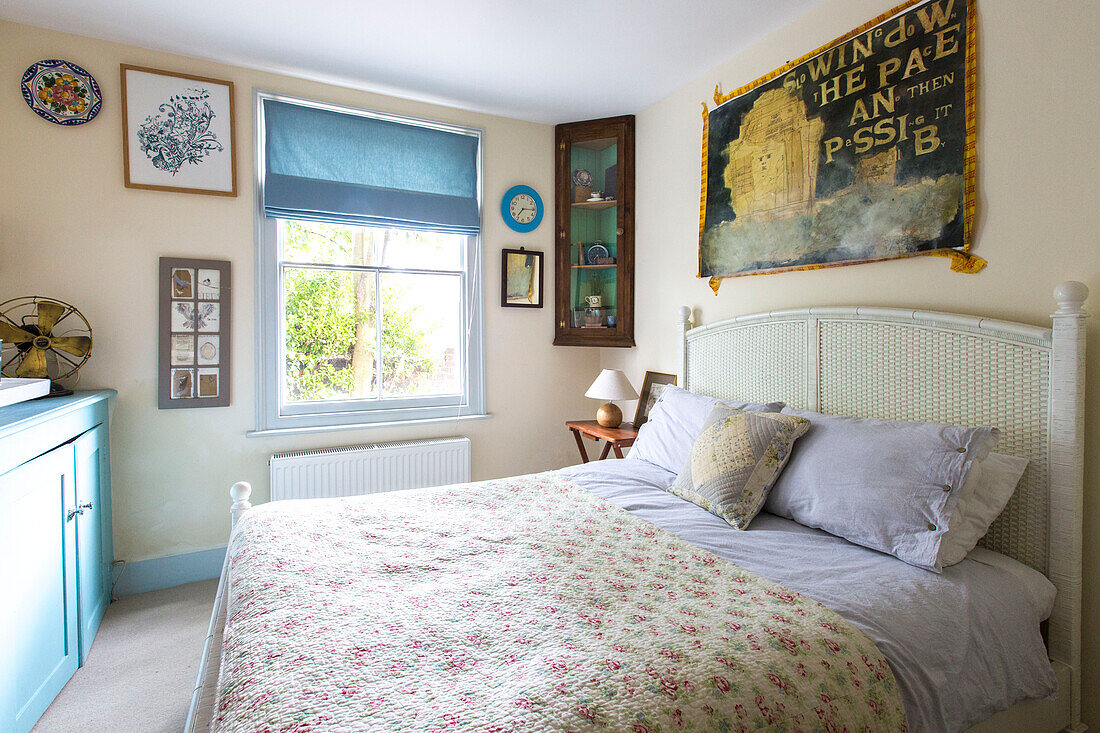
(862, 150)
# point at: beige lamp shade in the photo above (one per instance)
(612, 384)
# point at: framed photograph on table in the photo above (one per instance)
(194, 333)
(652, 386)
(177, 132)
(520, 278)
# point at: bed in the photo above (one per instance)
(987, 655)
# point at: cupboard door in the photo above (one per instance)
(594, 215)
(38, 614)
(93, 539)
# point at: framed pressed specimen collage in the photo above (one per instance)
(194, 333)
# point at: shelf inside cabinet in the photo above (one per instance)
(595, 205)
(595, 267)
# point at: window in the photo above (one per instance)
(370, 306)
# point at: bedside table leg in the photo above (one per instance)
(618, 451)
(580, 444)
(607, 449)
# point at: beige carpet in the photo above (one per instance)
(141, 671)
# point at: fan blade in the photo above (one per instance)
(75, 345)
(33, 364)
(13, 335)
(48, 314)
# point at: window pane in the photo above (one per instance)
(420, 334)
(408, 250)
(330, 335)
(340, 244)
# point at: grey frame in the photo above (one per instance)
(164, 348)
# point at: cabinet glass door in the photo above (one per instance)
(595, 251)
(593, 234)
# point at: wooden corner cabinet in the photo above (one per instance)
(594, 216)
(55, 545)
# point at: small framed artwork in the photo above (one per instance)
(652, 386)
(178, 133)
(520, 278)
(194, 333)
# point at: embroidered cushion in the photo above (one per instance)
(736, 460)
(674, 423)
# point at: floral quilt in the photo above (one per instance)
(523, 604)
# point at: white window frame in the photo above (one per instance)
(273, 416)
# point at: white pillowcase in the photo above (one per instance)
(984, 495)
(890, 485)
(676, 421)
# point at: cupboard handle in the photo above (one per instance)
(619, 232)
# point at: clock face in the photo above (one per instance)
(523, 208)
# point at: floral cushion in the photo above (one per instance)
(736, 460)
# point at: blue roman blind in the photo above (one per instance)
(325, 165)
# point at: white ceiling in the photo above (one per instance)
(540, 61)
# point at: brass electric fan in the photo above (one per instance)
(43, 338)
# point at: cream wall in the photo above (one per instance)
(1037, 220)
(69, 229)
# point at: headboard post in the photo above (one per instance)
(683, 319)
(1067, 377)
(240, 493)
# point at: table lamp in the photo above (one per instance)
(612, 384)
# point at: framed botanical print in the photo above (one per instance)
(652, 386)
(194, 333)
(520, 278)
(178, 132)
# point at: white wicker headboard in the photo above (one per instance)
(935, 367)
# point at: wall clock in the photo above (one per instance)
(521, 208)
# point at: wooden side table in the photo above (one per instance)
(617, 438)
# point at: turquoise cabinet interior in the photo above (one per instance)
(55, 546)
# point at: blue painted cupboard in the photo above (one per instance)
(55, 546)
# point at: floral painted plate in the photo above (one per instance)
(61, 92)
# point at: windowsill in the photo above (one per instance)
(274, 432)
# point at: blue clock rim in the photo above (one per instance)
(507, 215)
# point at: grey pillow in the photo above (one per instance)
(885, 484)
(674, 424)
(989, 486)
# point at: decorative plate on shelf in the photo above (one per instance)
(581, 177)
(595, 253)
(61, 92)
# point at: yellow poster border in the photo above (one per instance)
(961, 260)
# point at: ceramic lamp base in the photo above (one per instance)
(609, 415)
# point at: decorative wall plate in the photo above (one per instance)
(61, 92)
(581, 177)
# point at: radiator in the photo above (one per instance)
(369, 469)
